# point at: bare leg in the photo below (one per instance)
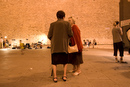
(121, 60)
(78, 68)
(65, 68)
(74, 67)
(78, 71)
(116, 59)
(54, 72)
(22, 51)
(64, 76)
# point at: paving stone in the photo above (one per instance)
(33, 69)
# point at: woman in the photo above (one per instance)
(75, 58)
(21, 46)
(117, 41)
(59, 34)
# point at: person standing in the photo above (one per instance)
(59, 34)
(4, 43)
(21, 46)
(75, 58)
(1, 42)
(84, 42)
(117, 41)
(94, 42)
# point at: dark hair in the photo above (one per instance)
(117, 22)
(60, 14)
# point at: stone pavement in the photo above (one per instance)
(33, 69)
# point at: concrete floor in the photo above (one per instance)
(33, 69)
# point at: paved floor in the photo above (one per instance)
(33, 69)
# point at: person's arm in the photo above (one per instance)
(77, 33)
(50, 33)
(77, 37)
(128, 34)
(121, 31)
(70, 32)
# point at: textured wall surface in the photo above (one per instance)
(124, 10)
(30, 19)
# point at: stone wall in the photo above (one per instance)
(125, 20)
(30, 19)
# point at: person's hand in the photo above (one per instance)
(80, 50)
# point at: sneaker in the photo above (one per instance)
(116, 60)
(123, 61)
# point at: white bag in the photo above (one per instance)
(72, 49)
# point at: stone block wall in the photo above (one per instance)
(30, 19)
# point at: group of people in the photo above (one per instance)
(1, 42)
(63, 33)
(89, 43)
(4, 43)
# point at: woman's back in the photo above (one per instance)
(116, 35)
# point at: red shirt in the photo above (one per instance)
(76, 39)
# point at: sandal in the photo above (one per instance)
(64, 78)
(76, 73)
(55, 79)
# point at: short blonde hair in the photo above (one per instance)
(72, 20)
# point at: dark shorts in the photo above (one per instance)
(118, 46)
